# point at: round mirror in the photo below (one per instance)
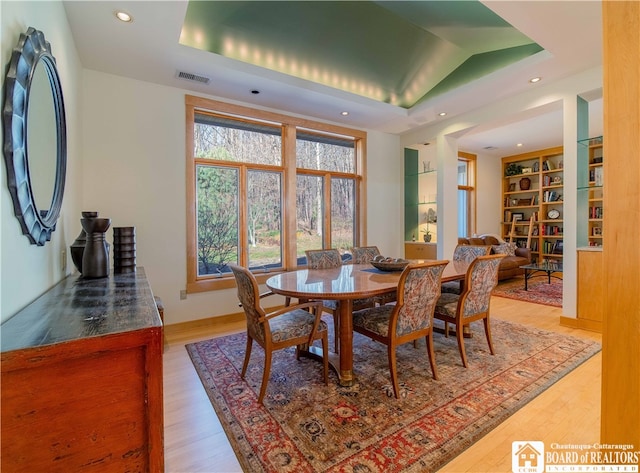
(35, 143)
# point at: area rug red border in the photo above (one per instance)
(305, 426)
(539, 291)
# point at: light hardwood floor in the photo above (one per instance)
(568, 412)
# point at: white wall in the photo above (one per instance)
(29, 270)
(135, 174)
(488, 194)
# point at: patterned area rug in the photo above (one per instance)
(539, 291)
(305, 426)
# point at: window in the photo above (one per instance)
(262, 189)
(466, 194)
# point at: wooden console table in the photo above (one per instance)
(81, 379)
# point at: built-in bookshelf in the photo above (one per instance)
(590, 189)
(532, 202)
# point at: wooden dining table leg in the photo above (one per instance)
(345, 375)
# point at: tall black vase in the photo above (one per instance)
(95, 260)
(77, 247)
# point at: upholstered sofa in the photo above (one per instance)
(510, 264)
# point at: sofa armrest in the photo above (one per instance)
(524, 252)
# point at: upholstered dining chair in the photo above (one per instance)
(293, 325)
(327, 259)
(364, 255)
(473, 303)
(464, 253)
(410, 318)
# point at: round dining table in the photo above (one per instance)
(344, 284)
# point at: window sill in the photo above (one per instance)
(223, 282)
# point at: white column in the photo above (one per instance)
(447, 156)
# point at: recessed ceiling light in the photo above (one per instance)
(124, 16)
(533, 80)
(519, 145)
(344, 114)
(442, 114)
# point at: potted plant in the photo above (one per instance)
(427, 234)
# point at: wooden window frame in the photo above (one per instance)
(472, 204)
(289, 125)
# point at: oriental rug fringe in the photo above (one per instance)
(306, 426)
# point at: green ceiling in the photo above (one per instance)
(399, 52)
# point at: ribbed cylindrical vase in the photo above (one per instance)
(124, 249)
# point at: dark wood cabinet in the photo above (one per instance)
(81, 382)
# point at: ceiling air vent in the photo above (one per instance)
(489, 148)
(192, 77)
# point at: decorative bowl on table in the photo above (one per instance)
(389, 264)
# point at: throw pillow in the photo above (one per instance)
(508, 249)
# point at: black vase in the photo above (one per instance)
(77, 247)
(95, 260)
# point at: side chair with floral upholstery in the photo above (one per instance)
(364, 255)
(474, 301)
(464, 253)
(328, 259)
(293, 325)
(410, 318)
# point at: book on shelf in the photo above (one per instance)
(598, 176)
(595, 212)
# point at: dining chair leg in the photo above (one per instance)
(325, 357)
(247, 355)
(459, 336)
(392, 368)
(487, 331)
(265, 375)
(446, 329)
(432, 355)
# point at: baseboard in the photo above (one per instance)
(591, 325)
(173, 329)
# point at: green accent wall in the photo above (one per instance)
(410, 194)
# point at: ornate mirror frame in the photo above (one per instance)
(32, 50)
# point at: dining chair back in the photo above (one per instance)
(323, 259)
(465, 253)
(364, 254)
(474, 301)
(293, 325)
(410, 318)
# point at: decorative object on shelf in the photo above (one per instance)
(426, 166)
(557, 180)
(536, 166)
(77, 247)
(427, 234)
(432, 217)
(553, 214)
(124, 249)
(512, 187)
(527, 170)
(525, 184)
(517, 216)
(95, 260)
(513, 169)
(33, 113)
